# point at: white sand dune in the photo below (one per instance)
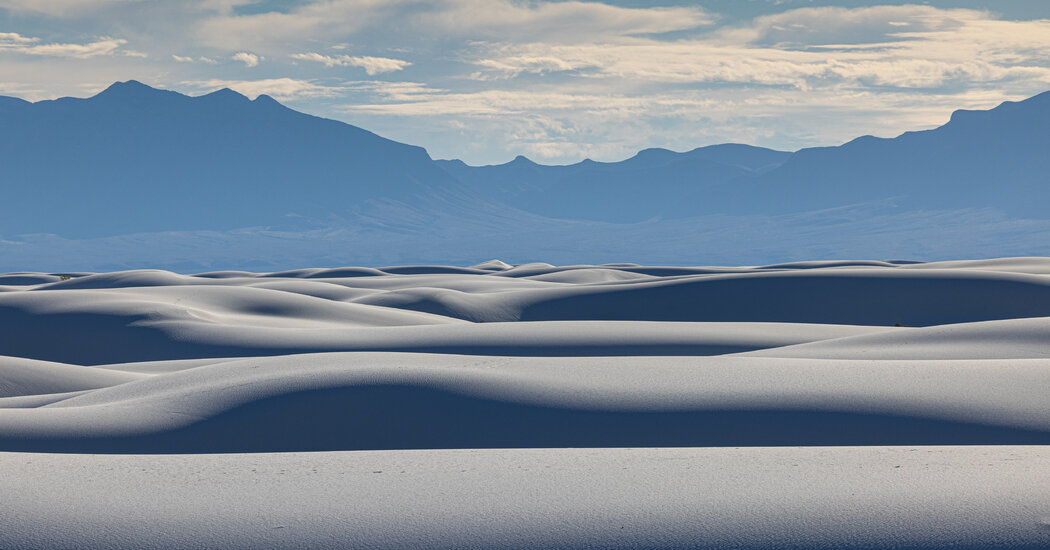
(358, 401)
(20, 377)
(618, 406)
(1004, 339)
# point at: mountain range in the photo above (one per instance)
(137, 159)
(134, 160)
(997, 158)
(653, 183)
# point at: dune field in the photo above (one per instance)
(866, 404)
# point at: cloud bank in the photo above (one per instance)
(371, 65)
(487, 80)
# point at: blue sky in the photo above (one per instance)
(557, 81)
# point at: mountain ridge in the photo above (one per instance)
(133, 158)
(570, 191)
(143, 165)
(998, 157)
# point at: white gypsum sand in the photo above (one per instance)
(499, 406)
(783, 497)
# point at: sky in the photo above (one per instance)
(556, 81)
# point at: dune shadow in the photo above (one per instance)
(383, 417)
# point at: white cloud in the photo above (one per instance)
(705, 63)
(567, 125)
(806, 77)
(278, 88)
(25, 91)
(13, 42)
(511, 66)
(395, 91)
(557, 79)
(419, 100)
(188, 59)
(371, 65)
(837, 25)
(461, 20)
(15, 38)
(572, 21)
(249, 59)
(919, 47)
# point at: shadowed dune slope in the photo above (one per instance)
(502, 356)
(20, 377)
(866, 296)
(351, 401)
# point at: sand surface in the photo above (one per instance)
(862, 404)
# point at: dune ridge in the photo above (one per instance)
(882, 403)
(804, 353)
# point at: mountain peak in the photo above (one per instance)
(654, 153)
(226, 94)
(135, 158)
(521, 160)
(265, 99)
(126, 89)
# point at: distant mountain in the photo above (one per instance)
(655, 183)
(137, 159)
(140, 177)
(998, 158)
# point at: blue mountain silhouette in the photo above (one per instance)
(998, 158)
(135, 159)
(655, 183)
